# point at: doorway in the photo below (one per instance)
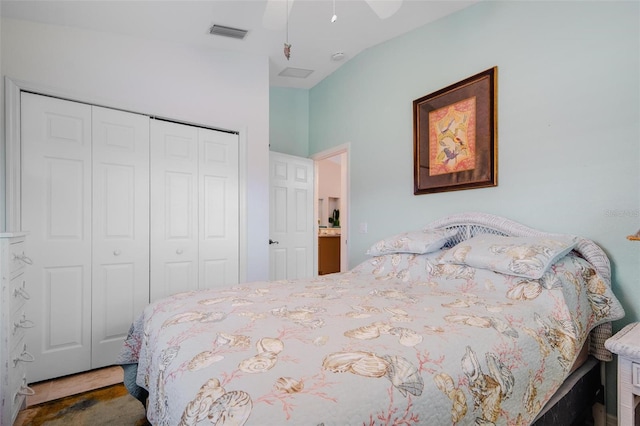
(332, 209)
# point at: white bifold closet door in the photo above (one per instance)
(120, 228)
(85, 204)
(120, 209)
(194, 208)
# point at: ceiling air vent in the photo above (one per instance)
(221, 30)
(295, 72)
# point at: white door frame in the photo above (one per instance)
(13, 160)
(345, 151)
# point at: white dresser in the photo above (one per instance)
(14, 295)
(626, 344)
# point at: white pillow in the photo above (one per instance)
(418, 242)
(528, 257)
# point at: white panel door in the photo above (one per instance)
(291, 229)
(56, 205)
(174, 208)
(120, 268)
(219, 257)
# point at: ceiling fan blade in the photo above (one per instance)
(384, 8)
(276, 13)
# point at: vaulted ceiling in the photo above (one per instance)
(317, 44)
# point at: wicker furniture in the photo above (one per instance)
(626, 344)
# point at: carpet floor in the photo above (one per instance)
(107, 406)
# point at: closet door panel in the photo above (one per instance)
(179, 205)
(120, 269)
(219, 223)
(63, 293)
(56, 206)
(174, 212)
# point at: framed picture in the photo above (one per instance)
(454, 133)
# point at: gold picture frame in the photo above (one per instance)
(455, 136)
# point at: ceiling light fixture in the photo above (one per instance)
(334, 18)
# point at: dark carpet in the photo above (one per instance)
(111, 405)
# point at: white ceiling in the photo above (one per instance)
(313, 37)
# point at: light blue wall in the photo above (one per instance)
(289, 121)
(568, 125)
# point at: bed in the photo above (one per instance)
(474, 319)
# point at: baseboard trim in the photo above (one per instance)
(601, 417)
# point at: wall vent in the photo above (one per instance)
(221, 30)
(295, 72)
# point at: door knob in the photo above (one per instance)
(273, 242)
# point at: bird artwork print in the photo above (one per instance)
(452, 134)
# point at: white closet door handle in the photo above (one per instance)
(117, 252)
(179, 251)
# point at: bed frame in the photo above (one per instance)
(572, 404)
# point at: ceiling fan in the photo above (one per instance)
(277, 11)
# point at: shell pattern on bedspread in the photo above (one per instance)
(401, 339)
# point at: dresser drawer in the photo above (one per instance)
(19, 394)
(17, 256)
(19, 324)
(635, 374)
(19, 294)
(17, 389)
(16, 369)
(18, 376)
(18, 360)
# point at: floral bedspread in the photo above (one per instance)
(400, 339)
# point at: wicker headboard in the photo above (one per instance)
(473, 223)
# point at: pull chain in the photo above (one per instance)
(287, 46)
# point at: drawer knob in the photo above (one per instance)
(23, 357)
(117, 252)
(20, 291)
(179, 251)
(23, 258)
(23, 323)
(25, 389)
